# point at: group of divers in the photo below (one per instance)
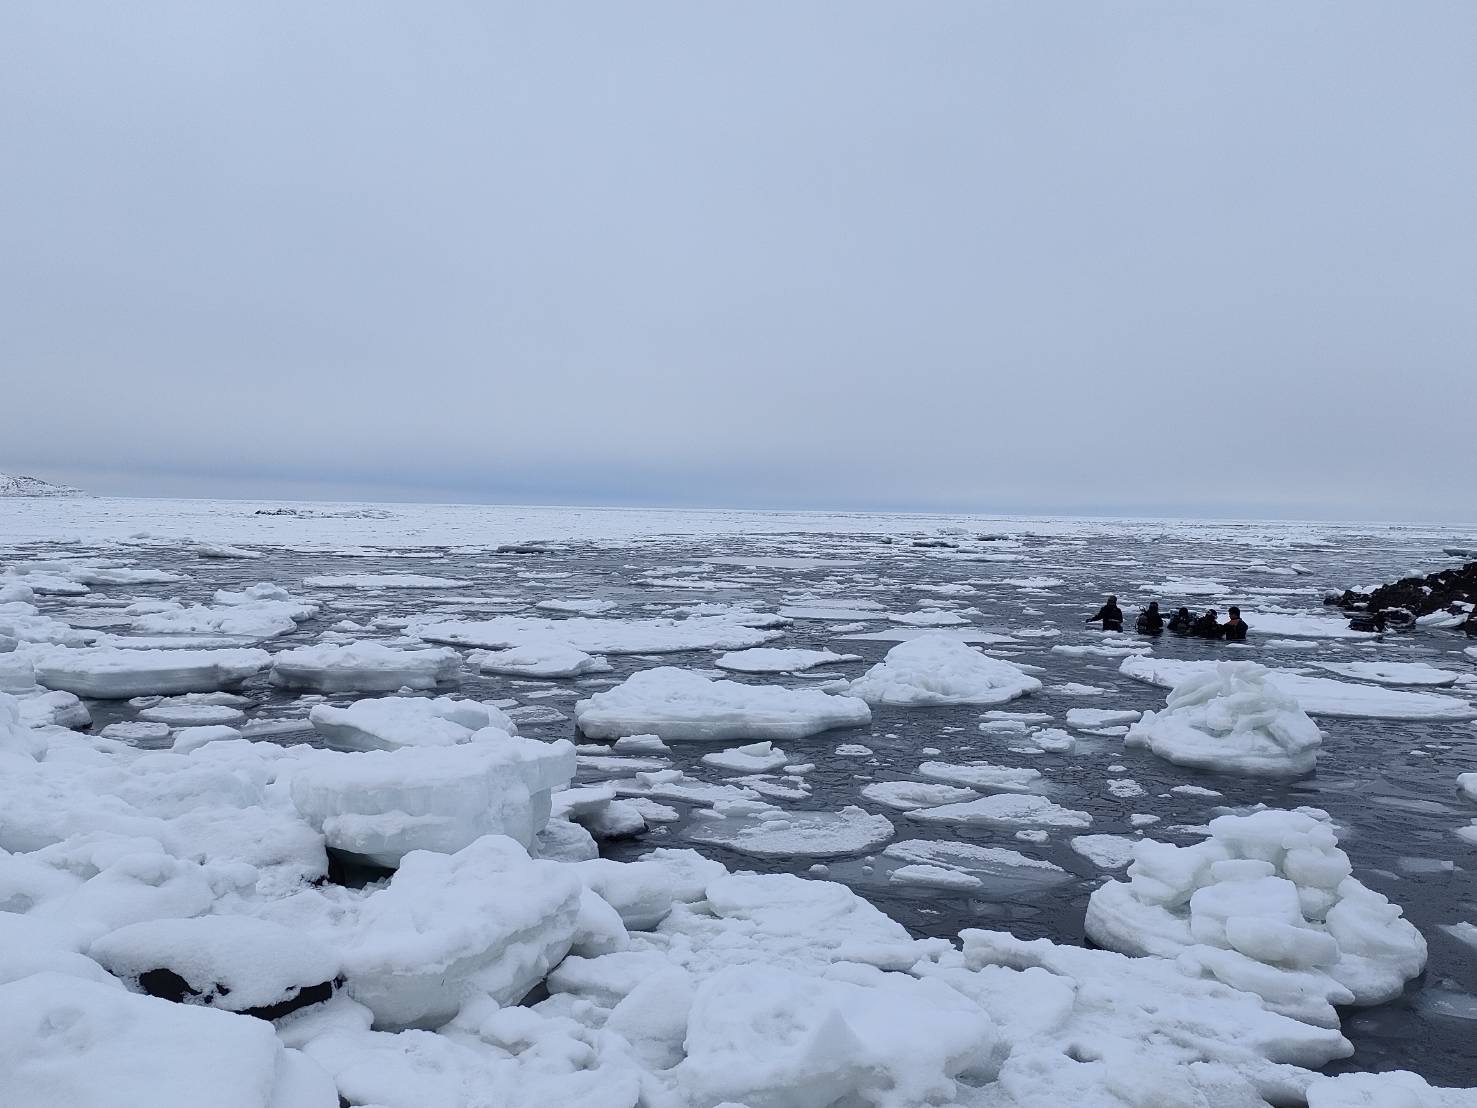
(1150, 622)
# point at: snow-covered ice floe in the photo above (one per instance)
(600, 636)
(755, 827)
(113, 674)
(388, 723)
(382, 581)
(777, 660)
(539, 659)
(936, 669)
(379, 805)
(1266, 904)
(1231, 718)
(1393, 673)
(1318, 696)
(678, 705)
(364, 667)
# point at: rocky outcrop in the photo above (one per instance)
(1420, 596)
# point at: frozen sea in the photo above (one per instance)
(1021, 586)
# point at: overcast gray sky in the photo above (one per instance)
(1204, 258)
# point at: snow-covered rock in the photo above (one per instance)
(1232, 719)
(681, 706)
(20, 484)
(390, 722)
(1266, 904)
(107, 673)
(364, 667)
(937, 669)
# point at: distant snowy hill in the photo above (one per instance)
(19, 485)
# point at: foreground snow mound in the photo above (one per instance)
(485, 921)
(379, 805)
(536, 659)
(600, 636)
(108, 673)
(364, 667)
(678, 705)
(1393, 1089)
(937, 669)
(1231, 718)
(390, 722)
(64, 1040)
(1265, 904)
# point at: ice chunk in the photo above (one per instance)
(935, 669)
(906, 795)
(106, 673)
(382, 581)
(1393, 673)
(753, 827)
(1232, 718)
(380, 804)
(776, 660)
(539, 659)
(234, 963)
(983, 775)
(1105, 851)
(754, 758)
(1005, 810)
(1265, 904)
(679, 705)
(1099, 717)
(600, 636)
(1318, 696)
(391, 722)
(485, 921)
(364, 667)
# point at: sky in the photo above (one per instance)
(1186, 258)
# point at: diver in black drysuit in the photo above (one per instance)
(1206, 627)
(1150, 622)
(1234, 629)
(1182, 622)
(1110, 614)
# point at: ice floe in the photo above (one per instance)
(391, 722)
(1266, 904)
(678, 705)
(600, 636)
(778, 660)
(1318, 696)
(364, 667)
(938, 670)
(1233, 719)
(108, 673)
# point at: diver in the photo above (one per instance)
(1207, 627)
(1235, 628)
(1110, 614)
(1150, 622)
(1182, 622)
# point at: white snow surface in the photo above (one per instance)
(1233, 719)
(539, 659)
(678, 705)
(1267, 904)
(935, 669)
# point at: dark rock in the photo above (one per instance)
(1416, 596)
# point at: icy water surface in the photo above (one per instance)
(1389, 786)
